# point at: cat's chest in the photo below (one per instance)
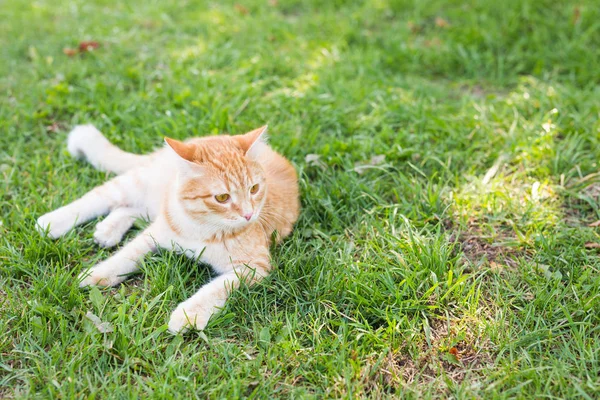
(223, 255)
(215, 254)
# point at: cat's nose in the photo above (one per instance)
(248, 216)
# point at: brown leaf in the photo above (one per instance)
(88, 46)
(53, 128)
(592, 245)
(454, 352)
(273, 3)
(441, 22)
(414, 28)
(495, 267)
(148, 24)
(241, 9)
(594, 224)
(576, 15)
(69, 52)
(435, 42)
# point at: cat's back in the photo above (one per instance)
(282, 206)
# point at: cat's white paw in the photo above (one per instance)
(55, 223)
(188, 316)
(103, 274)
(84, 137)
(108, 234)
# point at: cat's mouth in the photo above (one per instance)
(241, 222)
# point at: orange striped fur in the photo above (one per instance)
(218, 199)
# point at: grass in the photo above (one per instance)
(461, 265)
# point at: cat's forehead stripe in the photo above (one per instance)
(233, 168)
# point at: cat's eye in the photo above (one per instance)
(222, 198)
(254, 189)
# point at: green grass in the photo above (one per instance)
(470, 236)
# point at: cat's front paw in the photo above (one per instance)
(188, 316)
(102, 274)
(55, 224)
(108, 234)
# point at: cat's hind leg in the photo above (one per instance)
(87, 142)
(118, 192)
(111, 229)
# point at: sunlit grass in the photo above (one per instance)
(443, 249)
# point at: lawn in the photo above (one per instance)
(448, 160)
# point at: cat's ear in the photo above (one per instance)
(254, 142)
(183, 150)
(184, 155)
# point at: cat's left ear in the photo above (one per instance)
(183, 150)
(184, 155)
(254, 142)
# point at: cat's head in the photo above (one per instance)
(221, 182)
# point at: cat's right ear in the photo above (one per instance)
(184, 155)
(183, 150)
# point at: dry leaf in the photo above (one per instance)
(441, 22)
(360, 168)
(314, 160)
(311, 158)
(592, 245)
(576, 15)
(148, 24)
(53, 128)
(69, 52)
(378, 159)
(435, 42)
(454, 352)
(88, 46)
(273, 3)
(103, 327)
(494, 266)
(414, 28)
(595, 224)
(241, 9)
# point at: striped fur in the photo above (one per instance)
(175, 188)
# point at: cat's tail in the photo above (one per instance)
(85, 141)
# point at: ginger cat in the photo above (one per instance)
(217, 199)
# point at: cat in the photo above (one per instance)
(220, 199)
